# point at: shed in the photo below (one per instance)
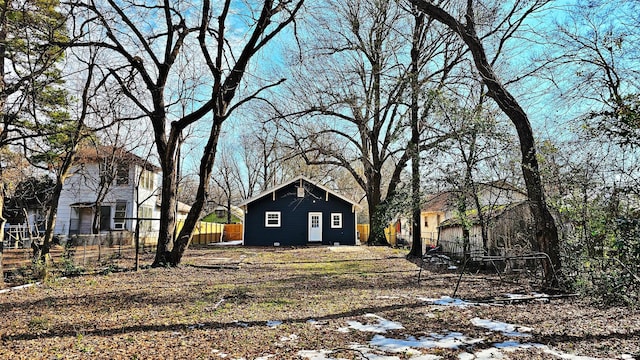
(299, 212)
(510, 228)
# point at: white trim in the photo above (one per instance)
(299, 178)
(339, 225)
(277, 216)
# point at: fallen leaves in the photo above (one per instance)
(279, 303)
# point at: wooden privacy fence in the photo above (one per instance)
(389, 232)
(363, 233)
(232, 232)
(207, 233)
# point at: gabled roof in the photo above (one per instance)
(472, 214)
(93, 154)
(181, 207)
(446, 200)
(439, 202)
(298, 178)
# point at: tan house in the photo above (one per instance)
(440, 209)
(434, 211)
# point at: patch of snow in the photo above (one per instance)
(315, 354)
(365, 352)
(265, 357)
(345, 248)
(563, 355)
(504, 328)
(219, 353)
(486, 354)
(537, 296)
(498, 350)
(291, 337)
(514, 345)
(452, 340)
(228, 243)
(319, 324)
(19, 287)
(274, 323)
(452, 267)
(522, 296)
(370, 354)
(382, 325)
(241, 324)
(447, 301)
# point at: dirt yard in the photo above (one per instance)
(306, 303)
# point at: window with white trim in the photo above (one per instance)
(119, 214)
(272, 219)
(336, 220)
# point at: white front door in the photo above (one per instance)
(315, 226)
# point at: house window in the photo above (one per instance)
(426, 222)
(336, 220)
(145, 213)
(106, 173)
(122, 174)
(146, 179)
(105, 218)
(272, 219)
(120, 213)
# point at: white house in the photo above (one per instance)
(129, 187)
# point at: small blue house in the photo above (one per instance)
(299, 212)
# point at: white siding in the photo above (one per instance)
(83, 185)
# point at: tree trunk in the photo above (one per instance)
(3, 221)
(546, 233)
(3, 122)
(229, 207)
(167, 211)
(377, 214)
(206, 166)
(51, 221)
(416, 243)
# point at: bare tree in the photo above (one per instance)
(479, 143)
(546, 233)
(60, 146)
(145, 43)
(354, 114)
(596, 58)
(271, 17)
(227, 179)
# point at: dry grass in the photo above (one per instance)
(221, 302)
